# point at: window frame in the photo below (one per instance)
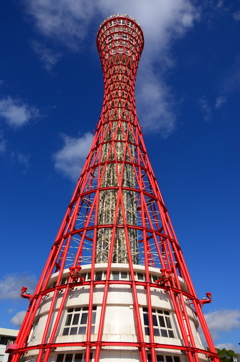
(162, 323)
(76, 319)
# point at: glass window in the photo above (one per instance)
(76, 321)
(6, 339)
(70, 357)
(98, 276)
(115, 275)
(60, 358)
(140, 276)
(124, 275)
(161, 358)
(154, 278)
(85, 276)
(161, 323)
(63, 281)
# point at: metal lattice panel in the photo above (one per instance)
(116, 257)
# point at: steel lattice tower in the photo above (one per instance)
(115, 286)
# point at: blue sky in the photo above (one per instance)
(187, 94)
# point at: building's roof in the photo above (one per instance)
(9, 332)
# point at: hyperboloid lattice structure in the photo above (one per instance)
(115, 286)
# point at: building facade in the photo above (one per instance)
(6, 336)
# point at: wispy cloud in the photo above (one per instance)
(231, 80)
(220, 100)
(68, 21)
(236, 15)
(206, 109)
(65, 20)
(70, 159)
(16, 112)
(228, 346)
(223, 320)
(21, 158)
(47, 56)
(3, 144)
(155, 104)
(11, 284)
(18, 318)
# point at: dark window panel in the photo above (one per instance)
(68, 358)
(84, 318)
(73, 331)
(164, 333)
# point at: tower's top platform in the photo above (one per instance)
(119, 16)
(120, 34)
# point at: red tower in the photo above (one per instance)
(115, 285)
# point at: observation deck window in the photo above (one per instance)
(140, 276)
(154, 278)
(162, 326)
(100, 275)
(113, 22)
(76, 321)
(85, 276)
(121, 21)
(160, 358)
(78, 357)
(63, 281)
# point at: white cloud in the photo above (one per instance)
(11, 284)
(220, 3)
(70, 159)
(236, 15)
(155, 105)
(3, 143)
(18, 318)
(223, 320)
(15, 112)
(68, 21)
(228, 346)
(65, 20)
(48, 57)
(21, 158)
(231, 80)
(205, 108)
(220, 100)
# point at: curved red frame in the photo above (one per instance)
(120, 43)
